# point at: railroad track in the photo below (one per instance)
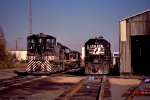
(142, 89)
(16, 80)
(88, 88)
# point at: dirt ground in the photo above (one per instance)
(122, 81)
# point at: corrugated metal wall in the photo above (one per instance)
(135, 25)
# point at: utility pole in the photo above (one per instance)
(30, 17)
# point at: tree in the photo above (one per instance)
(2, 43)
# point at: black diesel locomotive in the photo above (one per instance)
(97, 56)
(45, 55)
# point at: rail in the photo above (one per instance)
(88, 88)
(132, 93)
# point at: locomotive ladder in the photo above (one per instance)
(44, 65)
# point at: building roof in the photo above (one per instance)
(136, 15)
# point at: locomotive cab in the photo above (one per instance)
(40, 53)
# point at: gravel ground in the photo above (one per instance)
(141, 98)
(66, 79)
(50, 87)
(47, 88)
(119, 86)
(8, 73)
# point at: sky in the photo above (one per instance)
(72, 22)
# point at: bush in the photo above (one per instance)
(7, 60)
(5, 65)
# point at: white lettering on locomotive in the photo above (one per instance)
(96, 49)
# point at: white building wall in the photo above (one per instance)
(83, 53)
(21, 55)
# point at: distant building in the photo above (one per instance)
(20, 55)
(115, 57)
(82, 56)
(83, 53)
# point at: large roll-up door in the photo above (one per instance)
(140, 54)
